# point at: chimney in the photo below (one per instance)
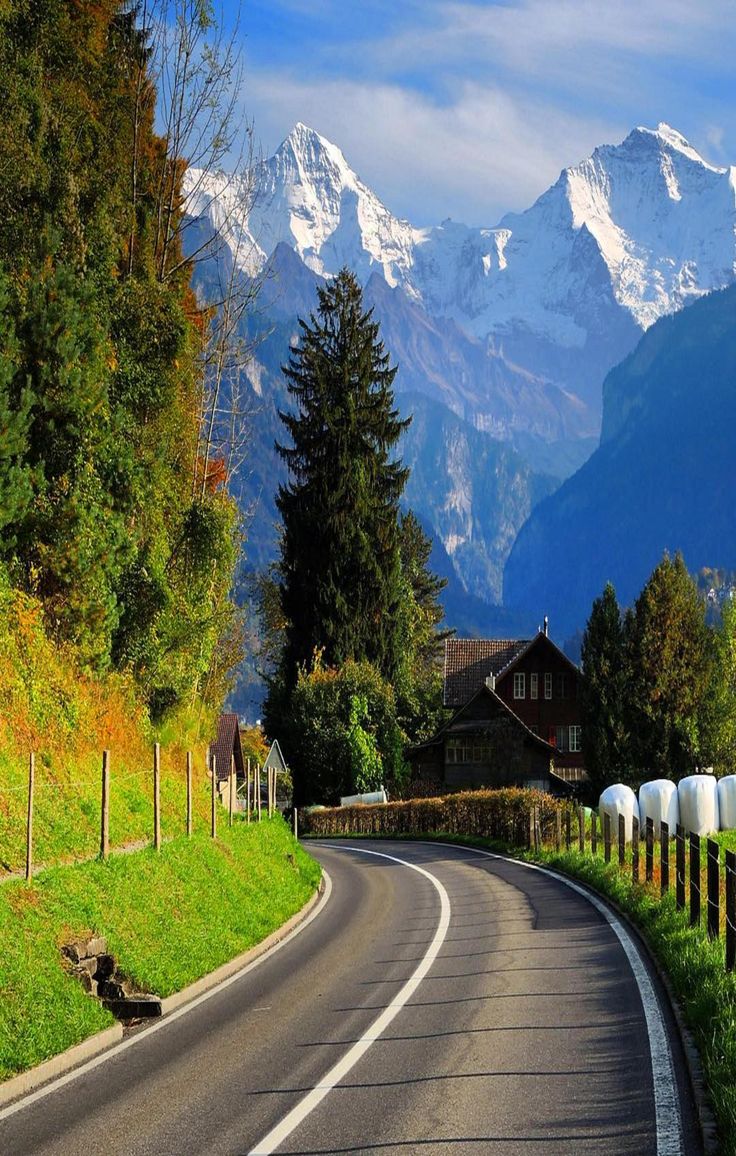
(546, 626)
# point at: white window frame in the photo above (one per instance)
(548, 685)
(575, 739)
(520, 685)
(534, 685)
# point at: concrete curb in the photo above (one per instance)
(18, 1086)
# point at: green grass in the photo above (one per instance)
(169, 918)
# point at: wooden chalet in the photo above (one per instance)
(516, 721)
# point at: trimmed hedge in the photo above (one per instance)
(502, 815)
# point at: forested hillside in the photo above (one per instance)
(116, 531)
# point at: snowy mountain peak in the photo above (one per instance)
(667, 138)
(315, 155)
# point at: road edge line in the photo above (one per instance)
(306, 1105)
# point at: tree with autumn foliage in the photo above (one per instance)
(111, 514)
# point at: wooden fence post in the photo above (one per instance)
(258, 789)
(650, 850)
(231, 789)
(694, 879)
(581, 830)
(680, 867)
(296, 823)
(558, 831)
(607, 837)
(157, 796)
(635, 850)
(247, 791)
(29, 824)
(714, 911)
(537, 829)
(730, 910)
(594, 834)
(530, 831)
(213, 816)
(621, 840)
(568, 830)
(664, 857)
(189, 792)
(105, 807)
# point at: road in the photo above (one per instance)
(510, 1021)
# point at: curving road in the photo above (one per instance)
(442, 1001)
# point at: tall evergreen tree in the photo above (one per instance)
(670, 663)
(603, 693)
(341, 584)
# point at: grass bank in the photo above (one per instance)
(169, 918)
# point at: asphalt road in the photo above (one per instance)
(527, 1034)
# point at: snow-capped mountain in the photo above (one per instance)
(501, 334)
(562, 290)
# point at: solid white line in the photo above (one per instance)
(82, 1070)
(309, 1102)
(667, 1114)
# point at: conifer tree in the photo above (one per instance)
(603, 693)
(341, 584)
(670, 662)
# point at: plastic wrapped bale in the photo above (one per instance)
(698, 798)
(727, 802)
(658, 801)
(616, 800)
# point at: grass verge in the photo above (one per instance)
(169, 919)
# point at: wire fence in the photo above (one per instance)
(241, 796)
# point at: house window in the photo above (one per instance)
(576, 738)
(534, 685)
(562, 686)
(467, 751)
(561, 737)
(519, 686)
(548, 686)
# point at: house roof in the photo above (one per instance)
(470, 661)
(226, 745)
(456, 724)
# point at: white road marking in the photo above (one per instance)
(667, 1114)
(90, 1065)
(309, 1102)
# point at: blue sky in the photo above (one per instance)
(468, 110)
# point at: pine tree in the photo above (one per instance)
(340, 569)
(603, 693)
(670, 662)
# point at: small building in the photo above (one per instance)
(516, 721)
(226, 747)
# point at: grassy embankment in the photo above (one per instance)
(48, 705)
(169, 918)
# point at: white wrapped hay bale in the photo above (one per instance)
(698, 798)
(658, 801)
(727, 802)
(616, 800)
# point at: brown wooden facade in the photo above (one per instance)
(485, 744)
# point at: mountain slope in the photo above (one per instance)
(663, 478)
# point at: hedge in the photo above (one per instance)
(502, 815)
